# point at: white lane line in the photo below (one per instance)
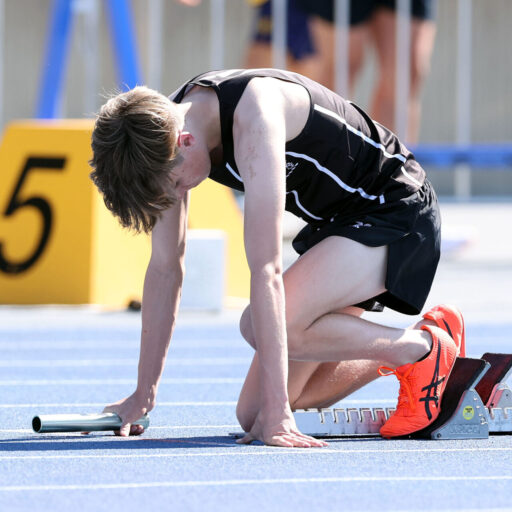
(102, 404)
(182, 404)
(508, 509)
(15, 346)
(72, 363)
(263, 481)
(110, 382)
(159, 427)
(231, 451)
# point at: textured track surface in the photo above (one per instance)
(66, 360)
(57, 360)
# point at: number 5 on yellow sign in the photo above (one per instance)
(58, 242)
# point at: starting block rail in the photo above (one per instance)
(477, 402)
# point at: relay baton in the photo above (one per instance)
(81, 422)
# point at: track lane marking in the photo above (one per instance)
(341, 405)
(248, 481)
(102, 404)
(74, 363)
(159, 427)
(236, 451)
(108, 382)
(14, 345)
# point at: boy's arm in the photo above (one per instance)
(162, 287)
(259, 133)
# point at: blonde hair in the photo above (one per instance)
(134, 145)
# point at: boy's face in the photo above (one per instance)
(194, 166)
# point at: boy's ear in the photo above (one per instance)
(185, 139)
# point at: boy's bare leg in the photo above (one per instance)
(310, 384)
(331, 382)
(333, 275)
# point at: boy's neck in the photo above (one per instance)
(202, 117)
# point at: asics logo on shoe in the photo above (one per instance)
(448, 330)
(431, 390)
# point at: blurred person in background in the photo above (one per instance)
(373, 23)
(301, 55)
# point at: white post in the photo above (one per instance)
(403, 66)
(86, 13)
(279, 33)
(217, 21)
(155, 43)
(92, 60)
(462, 182)
(342, 20)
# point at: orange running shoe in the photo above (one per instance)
(449, 318)
(422, 385)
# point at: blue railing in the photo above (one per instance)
(476, 155)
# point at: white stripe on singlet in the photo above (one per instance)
(230, 169)
(412, 178)
(337, 179)
(350, 128)
(296, 196)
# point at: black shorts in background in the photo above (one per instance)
(362, 10)
(299, 40)
(410, 228)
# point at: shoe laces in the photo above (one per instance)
(405, 396)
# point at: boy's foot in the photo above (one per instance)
(450, 319)
(422, 385)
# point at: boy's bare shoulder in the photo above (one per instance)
(274, 98)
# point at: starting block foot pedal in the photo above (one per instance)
(495, 393)
(342, 422)
(463, 414)
(487, 388)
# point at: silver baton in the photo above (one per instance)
(81, 422)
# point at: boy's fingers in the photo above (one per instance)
(125, 430)
(311, 440)
(247, 439)
(136, 430)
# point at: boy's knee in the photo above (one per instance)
(246, 327)
(296, 341)
(243, 417)
(295, 334)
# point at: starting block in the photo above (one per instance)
(477, 402)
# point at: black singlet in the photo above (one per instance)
(342, 162)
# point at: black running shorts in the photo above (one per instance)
(411, 228)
